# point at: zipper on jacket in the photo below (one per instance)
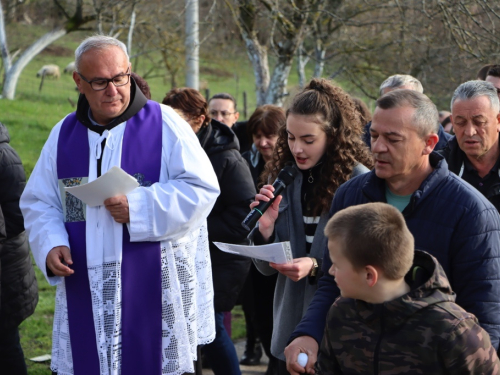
(377, 347)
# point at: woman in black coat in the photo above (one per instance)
(224, 222)
(18, 286)
(258, 292)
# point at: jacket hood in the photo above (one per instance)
(217, 137)
(4, 134)
(428, 286)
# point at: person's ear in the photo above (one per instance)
(498, 122)
(236, 116)
(78, 81)
(201, 119)
(371, 276)
(431, 141)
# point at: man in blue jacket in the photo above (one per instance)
(448, 217)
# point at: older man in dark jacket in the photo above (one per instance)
(18, 287)
(474, 153)
(448, 218)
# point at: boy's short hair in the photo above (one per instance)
(374, 234)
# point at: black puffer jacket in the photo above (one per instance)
(224, 222)
(18, 286)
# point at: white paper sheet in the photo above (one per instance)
(42, 358)
(275, 252)
(114, 182)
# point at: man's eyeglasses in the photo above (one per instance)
(224, 114)
(102, 83)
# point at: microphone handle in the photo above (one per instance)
(251, 220)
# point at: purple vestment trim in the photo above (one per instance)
(73, 161)
(141, 266)
(141, 263)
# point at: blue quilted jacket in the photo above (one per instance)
(450, 220)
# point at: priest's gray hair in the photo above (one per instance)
(97, 42)
(473, 89)
(400, 80)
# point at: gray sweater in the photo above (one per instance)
(291, 298)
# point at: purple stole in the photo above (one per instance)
(141, 261)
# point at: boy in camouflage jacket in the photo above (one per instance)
(396, 313)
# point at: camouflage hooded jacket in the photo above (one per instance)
(422, 332)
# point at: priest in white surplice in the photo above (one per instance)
(134, 288)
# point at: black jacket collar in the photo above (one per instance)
(455, 157)
(217, 137)
(137, 102)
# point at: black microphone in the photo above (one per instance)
(285, 177)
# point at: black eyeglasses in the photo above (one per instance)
(224, 114)
(100, 84)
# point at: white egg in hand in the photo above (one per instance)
(302, 359)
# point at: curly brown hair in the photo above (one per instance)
(340, 121)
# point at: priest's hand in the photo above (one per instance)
(58, 260)
(118, 208)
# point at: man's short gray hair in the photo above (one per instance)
(425, 118)
(399, 80)
(473, 89)
(97, 42)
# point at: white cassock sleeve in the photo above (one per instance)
(187, 190)
(179, 203)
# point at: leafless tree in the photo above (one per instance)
(442, 43)
(287, 22)
(14, 68)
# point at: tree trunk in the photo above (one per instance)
(271, 90)
(3, 42)
(12, 74)
(260, 64)
(319, 53)
(277, 87)
(302, 61)
(131, 31)
(192, 44)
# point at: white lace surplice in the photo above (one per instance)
(180, 203)
(187, 309)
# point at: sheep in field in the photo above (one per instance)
(49, 70)
(69, 68)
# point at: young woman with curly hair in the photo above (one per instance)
(322, 140)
